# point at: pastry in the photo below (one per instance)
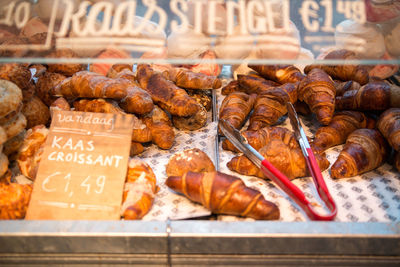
(139, 191)
(10, 97)
(30, 153)
(193, 160)
(14, 200)
(15, 126)
(223, 194)
(36, 112)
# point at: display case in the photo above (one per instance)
(222, 40)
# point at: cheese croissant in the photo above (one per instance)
(92, 85)
(389, 125)
(290, 161)
(223, 194)
(279, 73)
(236, 107)
(165, 93)
(318, 91)
(342, 124)
(187, 79)
(260, 138)
(270, 105)
(343, 72)
(365, 150)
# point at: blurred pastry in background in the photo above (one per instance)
(365, 40)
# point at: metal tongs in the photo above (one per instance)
(279, 178)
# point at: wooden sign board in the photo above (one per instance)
(83, 167)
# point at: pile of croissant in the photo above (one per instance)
(351, 108)
(158, 101)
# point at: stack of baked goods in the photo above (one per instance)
(349, 106)
(13, 197)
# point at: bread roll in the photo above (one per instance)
(194, 160)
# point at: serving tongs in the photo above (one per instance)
(278, 177)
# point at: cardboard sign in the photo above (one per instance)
(83, 167)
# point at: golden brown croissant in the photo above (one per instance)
(140, 133)
(224, 194)
(160, 125)
(377, 95)
(343, 72)
(290, 161)
(165, 93)
(279, 73)
(343, 87)
(140, 189)
(365, 150)
(187, 79)
(14, 200)
(270, 105)
(232, 86)
(252, 84)
(61, 104)
(389, 126)
(191, 123)
(318, 90)
(342, 124)
(117, 68)
(236, 107)
(260, 138)
(92, 85)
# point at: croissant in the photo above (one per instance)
(236, 107)
(260, 138)
(232, 86)
(318, 91)
(290, 161)
(224, 194)
(252, 84)
(14, 200)
(270, 105)
(365, 150)
(187, 79)
(117, 68)
(140, 189)
(92, 85)
(61, 104)
(160, 126)
(191, 123)
(389, 126)
(342, 124)
(165, 93)
(343, 87)
(343, 72)
(377, 95)
(279, 73)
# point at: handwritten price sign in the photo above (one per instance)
(83, 167)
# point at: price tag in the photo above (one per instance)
(83, 167)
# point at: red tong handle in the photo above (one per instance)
(297, 195)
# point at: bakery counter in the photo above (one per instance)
(199, 242)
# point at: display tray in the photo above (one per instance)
(366, 229)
